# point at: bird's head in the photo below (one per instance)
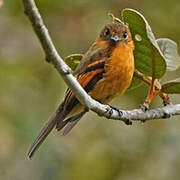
(115, 33)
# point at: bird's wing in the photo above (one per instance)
(91, 75)
(46, 130)
(87, 79)
(96, 52)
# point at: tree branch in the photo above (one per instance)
(103, 110)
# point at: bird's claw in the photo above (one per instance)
(110, 112)
(120, 113)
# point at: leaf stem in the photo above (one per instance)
(147, 81)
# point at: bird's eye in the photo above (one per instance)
(106, 32)
(125, 35)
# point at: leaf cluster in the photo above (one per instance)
(153, 57)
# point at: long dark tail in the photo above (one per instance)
(56, 120)
(59, 115)
(71, 122)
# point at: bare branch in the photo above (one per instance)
(101, 109)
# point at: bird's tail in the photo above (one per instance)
(58, 116)
(56, 120)
(71, 122)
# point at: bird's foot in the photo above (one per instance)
(120, 113)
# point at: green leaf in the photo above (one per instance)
(148, 57)
(170, 52)
(172, 87)
(73, 60)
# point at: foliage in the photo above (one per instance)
(152, 57)
(172, 87)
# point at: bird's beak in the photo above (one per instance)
(115, 38)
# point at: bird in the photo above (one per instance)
(105, 72)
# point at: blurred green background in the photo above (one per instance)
(31, 89)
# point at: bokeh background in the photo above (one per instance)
(31, 89)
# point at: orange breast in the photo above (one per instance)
(118, 74)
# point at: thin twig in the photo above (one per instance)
(148, 81)
(101, 109)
